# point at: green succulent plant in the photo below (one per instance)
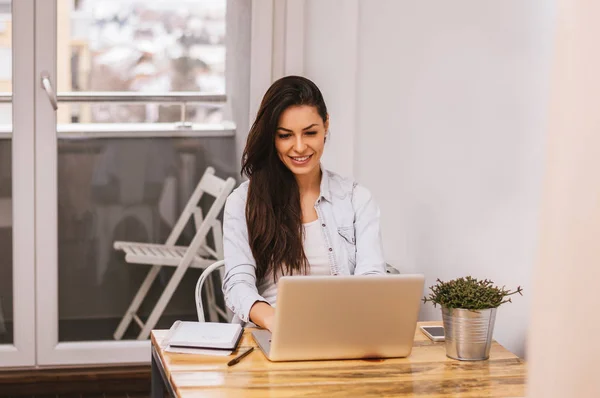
(469, 293)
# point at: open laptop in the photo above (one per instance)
(343, 317)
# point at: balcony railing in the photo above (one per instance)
(182, 128)
(131, 97)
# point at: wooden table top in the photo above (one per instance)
(427, 372)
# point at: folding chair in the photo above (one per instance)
(197, 255)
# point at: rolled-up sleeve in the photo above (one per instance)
(369, 247)
(239, 283)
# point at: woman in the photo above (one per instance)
(292, 217)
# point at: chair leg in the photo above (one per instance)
(136, 302)
(162, 302)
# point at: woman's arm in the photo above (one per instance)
(262, 314)
(239, 283)
(369, 248)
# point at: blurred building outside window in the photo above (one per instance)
(143, 46)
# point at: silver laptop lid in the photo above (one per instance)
(325, 317)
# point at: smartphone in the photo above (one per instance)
(435, 333)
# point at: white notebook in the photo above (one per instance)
(220, 336)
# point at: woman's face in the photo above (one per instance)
(300, 138)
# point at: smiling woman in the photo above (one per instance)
(292, 216)
(300, 148)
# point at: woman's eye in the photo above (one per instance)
(284, 136)
(311, 133)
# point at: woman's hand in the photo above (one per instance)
(270, 321)
(263, 315)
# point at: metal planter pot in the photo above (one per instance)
(468, 333)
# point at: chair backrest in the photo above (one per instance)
(209, 184)
(198, 294)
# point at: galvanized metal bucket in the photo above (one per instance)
(468, 333)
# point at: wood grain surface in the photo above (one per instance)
(427, 372)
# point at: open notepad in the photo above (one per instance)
(211, 337)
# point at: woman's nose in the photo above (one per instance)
(300, 144)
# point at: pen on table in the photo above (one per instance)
(239, 357)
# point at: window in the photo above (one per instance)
(152, 48)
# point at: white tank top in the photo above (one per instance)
(316, 254)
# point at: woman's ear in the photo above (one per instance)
(326, 125)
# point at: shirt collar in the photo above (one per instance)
(325, 192)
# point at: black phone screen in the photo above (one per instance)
(435, 331)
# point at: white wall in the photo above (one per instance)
(331, 60)
(438, 108)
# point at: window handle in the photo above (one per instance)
(47, 85)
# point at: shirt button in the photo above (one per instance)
(323, 225)
(330, 249)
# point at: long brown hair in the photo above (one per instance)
(273, 212)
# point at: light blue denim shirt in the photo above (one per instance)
(349, 218)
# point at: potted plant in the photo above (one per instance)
(469, 312)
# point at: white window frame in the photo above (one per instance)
(22, 352)
(51, 352)
(35, 195)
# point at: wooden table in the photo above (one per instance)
(427, 372)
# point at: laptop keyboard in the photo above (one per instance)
(263, 339)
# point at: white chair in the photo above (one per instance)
(205, 275)
(197, 255)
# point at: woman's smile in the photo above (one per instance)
(301, 160)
